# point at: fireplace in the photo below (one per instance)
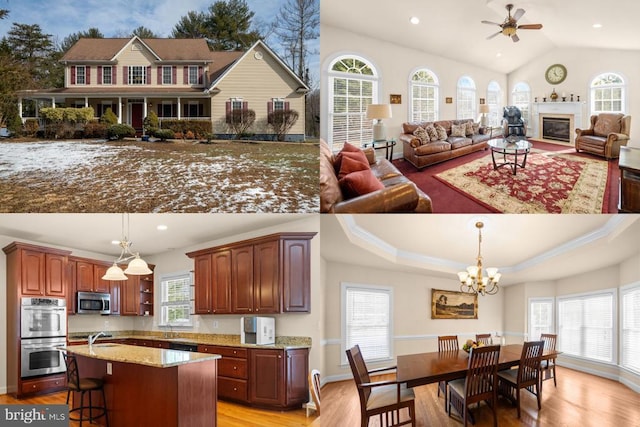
(556, 128)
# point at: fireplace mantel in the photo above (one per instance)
(574, 109)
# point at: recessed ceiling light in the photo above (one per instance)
(162, 227)
(597, 25)
(115, 242)
(414, 20)
(498, 55)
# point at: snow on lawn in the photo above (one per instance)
(158, 177)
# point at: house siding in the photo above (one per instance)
(271, 81)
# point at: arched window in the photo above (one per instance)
(353, 84)
(466, 103)
(494, 100)
(521, 98)
(607, 94)
(423, 90)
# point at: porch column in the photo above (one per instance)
(86, 101)
(119, 110)
(144, 108)
(53, 103)
(179, 109)
(20, 109)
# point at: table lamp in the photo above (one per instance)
(484, 109)
(379, 112)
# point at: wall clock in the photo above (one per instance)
(556, 74)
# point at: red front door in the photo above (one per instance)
(136, 117)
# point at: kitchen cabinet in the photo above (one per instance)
(88, 276)
(55, 275)
(99, 284)
(233, 371)
(71, 288)
(32, 272)
(48, 384)
(136, 295)
(265, 275)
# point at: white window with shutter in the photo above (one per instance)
(177, 296)
(587, 325)
(367, 321)
(631, 327)
(540, 317)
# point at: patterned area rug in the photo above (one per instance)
(550, 183)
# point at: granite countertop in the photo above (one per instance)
(149, 356)
(195, 338)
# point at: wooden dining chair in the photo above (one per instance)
(314, 388)
(549, 365)
(527, 375)
(446, 343)
(380, 397)
(481, 383)
(484, 339)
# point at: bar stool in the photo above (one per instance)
(83, 385)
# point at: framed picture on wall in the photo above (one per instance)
(453, 305)
(448, 100)
(395, 99)
(481, 101)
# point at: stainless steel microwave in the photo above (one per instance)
(93, 303)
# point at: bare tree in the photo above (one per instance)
(298, 22)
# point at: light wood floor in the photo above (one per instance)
(229, 414)
(579, 400)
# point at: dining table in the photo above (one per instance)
(426, 368)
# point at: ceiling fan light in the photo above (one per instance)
(138, 267)
(114, 273)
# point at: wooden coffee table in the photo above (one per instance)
(510, 149)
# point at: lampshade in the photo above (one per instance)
(114, 273)
(484, 108)
(378, 111)
(138, 267)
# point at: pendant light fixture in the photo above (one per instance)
(472, 280)
(137, 266)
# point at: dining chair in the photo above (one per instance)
(481, 383)
(549, 365)
(380, 397)
(76, 383)
(314, 386)
(446, 343)
(526, 375)
(484, 339)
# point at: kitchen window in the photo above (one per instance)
(540, 317)
(631, 327)
(366, 320)
(177, 298)
(586, 325)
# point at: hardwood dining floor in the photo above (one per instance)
(229, 414)
(579, 400)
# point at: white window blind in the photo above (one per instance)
(631, 328)
(540, 317)
(176, 299)
(367, 320)
(586, 326)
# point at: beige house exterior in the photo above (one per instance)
(177, 79)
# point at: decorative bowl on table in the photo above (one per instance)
(471, 344)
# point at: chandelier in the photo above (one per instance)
(137, 266)
(472, 280)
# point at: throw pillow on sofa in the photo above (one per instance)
(422, 135)
(346, 148)
(469, 128)
(353, 161)
(433, 133)
(442, 133)
(359, 183)
(459, 130)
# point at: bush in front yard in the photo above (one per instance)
(120, 131)
(150, 123)
(109, 117)
(200, 128)
(164, 134)
(282, 121)
(239, 121)
(95, 129)
(31, 127)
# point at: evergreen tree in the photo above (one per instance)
(191, 26)
(71, 39)
(144, 33)
(36, 53)
(229, 26)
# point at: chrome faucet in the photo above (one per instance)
(93, 338)
(168, 334)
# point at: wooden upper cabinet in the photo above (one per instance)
(202, 285)
(33, 272)
(266, 294)
(242, 279)
(56, 275)
(84, 276)
(99, 284)
(114, 290)
(130, 296)
(296, 275)
(221, 282)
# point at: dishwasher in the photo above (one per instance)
(183, 346)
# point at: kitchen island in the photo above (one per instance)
(151, 386)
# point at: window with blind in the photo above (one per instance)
(521, 98)
(540, 317)
(176, 299)
(466, 105)
(631, 327)
(586, 325)
(494, 101)
(424, 96)
(366, 320)
(353, 84)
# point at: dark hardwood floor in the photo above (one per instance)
(579, 400)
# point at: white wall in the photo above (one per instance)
(583, 65)
(395, 65)
(414, 331)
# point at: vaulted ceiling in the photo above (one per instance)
(524, 247)
(452, 29)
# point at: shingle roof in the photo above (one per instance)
(221, 61)
(165, 49)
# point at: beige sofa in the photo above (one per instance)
(398, 195)
(422, 155)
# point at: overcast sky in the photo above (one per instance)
(114, 17)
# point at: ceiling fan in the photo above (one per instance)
(510, 25)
